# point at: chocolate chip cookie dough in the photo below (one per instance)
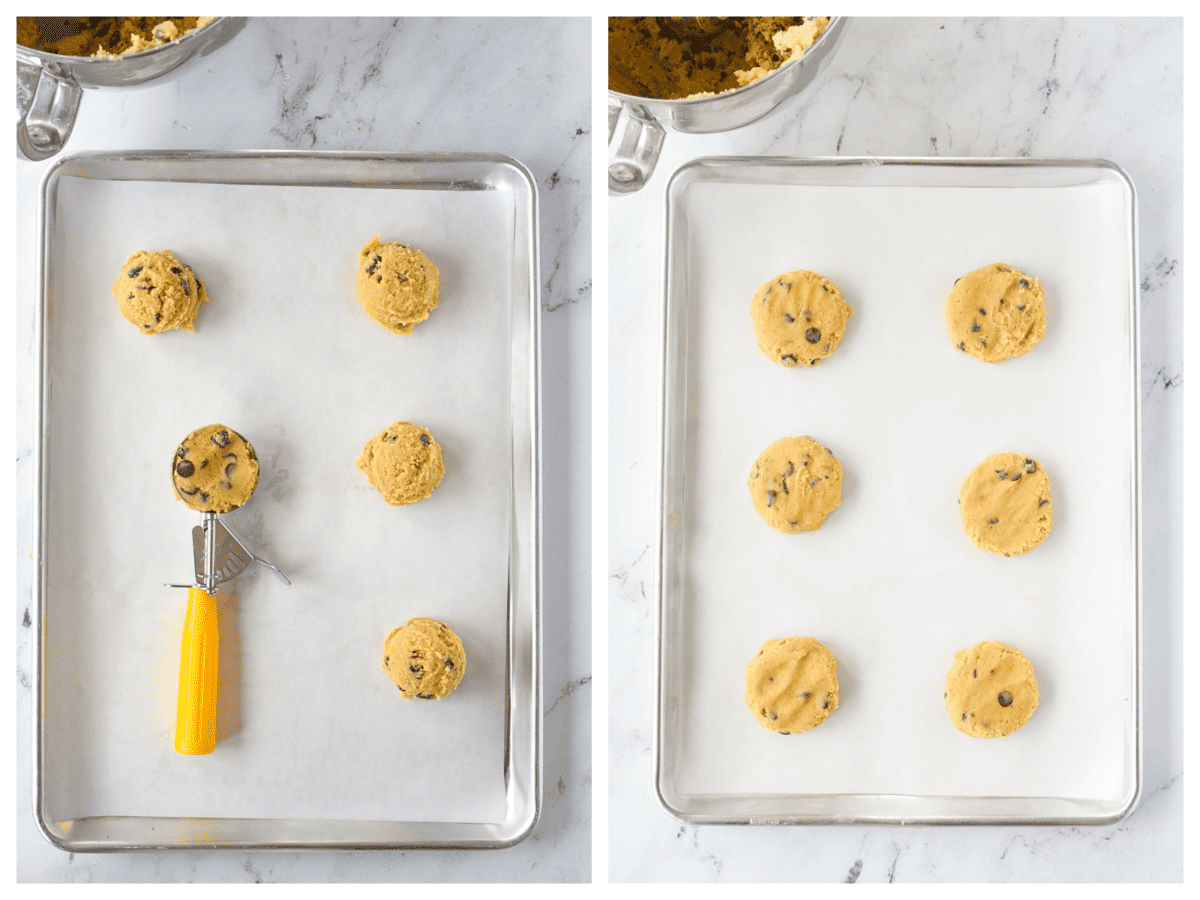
(792, 685)
(214, 470)
(799, 318)
(403, 462)
(795, 484)
(1005, 504)
(397, 285)
(683, 57)
(157, 292)
(990, 690)
(104, 36)
(424, 658)
(996, 313)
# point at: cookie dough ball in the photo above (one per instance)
(397, 285)
(990, 690)
(792, 686)
(996, 313)
(795, 484)
(403, 462)
(214, 470)
(799, 318)
(424, 658)
(1005, 504)
(157, 292)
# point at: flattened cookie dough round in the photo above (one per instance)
(403, 462)
(424, 658)
(792, 685)
(397, 285)
(996, 313)
(215, 469)
(799, 318)
(990, 690)
(1005, 504)
(795, 483)
(157, 292)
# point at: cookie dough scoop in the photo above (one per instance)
(214, 471)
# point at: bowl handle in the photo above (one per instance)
(634, 141)
(48, 104)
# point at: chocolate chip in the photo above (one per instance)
(805, 695)
(791, 469)
(190, 493)
(993, 521)
(204, 496)
(1005, 698)
(403, 276)
(974, 673)
(185, 469)
(1042, 503)
(825, 289)
(417, 670)
(134, 272)
(204, 463)
(812, 335)
(187, 291)
(230, 456)
(962, 345)
(964, 717)
(789, 318)
(784, 359)
(386, 660)
(402, 690)
(771, 495)
(1020, 309)
(1016, 476)
(221, 439)
(1001, 474)
(416, 654)
(1024, 284)
(374, 264)
(784, 732)
(389, 438)
(958, 279)
(225, 484)
(175, 270)
(825, 705)
(158, 317)
(1030, 466)
(807, 315)
(230, 468)
(774, 716)
(424, 696)
(982, 341)
(130, 297)
(449, 664)
(425, 439)
(975, 326)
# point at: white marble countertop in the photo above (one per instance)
(518, 87)
(923, 87)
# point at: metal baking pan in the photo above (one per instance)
(315, 748)
(890, 583)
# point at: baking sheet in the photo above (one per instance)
(890, 583)
(309, 726)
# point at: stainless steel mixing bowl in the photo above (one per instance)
(50, 86)
(636, 125)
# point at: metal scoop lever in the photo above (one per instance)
(220, 555)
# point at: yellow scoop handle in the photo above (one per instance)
(196, 714)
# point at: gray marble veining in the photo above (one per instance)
(923, 87)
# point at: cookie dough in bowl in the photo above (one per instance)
(996, 313)
(795, 483)
(792, 685)
(991, 690)
(403, 462)
(214, 470)
(397, 285)
(424, 658)
(157, 292)
(799, 318)
(1005, 504)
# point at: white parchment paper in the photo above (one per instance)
(309, 725)
(891, 583)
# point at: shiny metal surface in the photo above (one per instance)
(674, 412)
(634, 148)
(49, 86)
(522, 751)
